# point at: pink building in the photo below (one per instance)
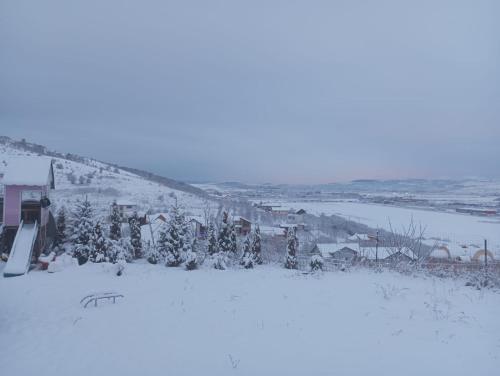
(27, 183)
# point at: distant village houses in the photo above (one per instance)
(126, 209)
(242, 225)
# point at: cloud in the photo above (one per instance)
(260, 91)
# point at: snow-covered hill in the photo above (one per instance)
(77, 177)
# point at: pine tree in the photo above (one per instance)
(61, 226)
(233, 239)
(256, 246)
(248, 259)
(135, 235)
(159, 251)
(224, 244)
(83, 230)
(224, 240)
(212, 240)
(190, 256)
(291, 249)
(98, 252)
(115, 230)
(175, 237)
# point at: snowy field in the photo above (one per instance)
(267, 321)
(452, 227)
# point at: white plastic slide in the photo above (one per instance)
(19, 259)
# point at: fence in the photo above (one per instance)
(434, 267)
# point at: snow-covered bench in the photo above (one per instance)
(99, 296)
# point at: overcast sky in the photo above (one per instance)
(258, 91)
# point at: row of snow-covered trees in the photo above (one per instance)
(222, 247)
(89, 239)
(85, 238)
(176, 245)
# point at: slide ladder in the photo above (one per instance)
(22, 250)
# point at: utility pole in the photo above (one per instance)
(148, 218)
(485, 253)
(376, 249)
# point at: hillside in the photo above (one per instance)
(102, 182)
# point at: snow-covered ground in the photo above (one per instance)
(267, 321)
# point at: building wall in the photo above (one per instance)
(12, 204)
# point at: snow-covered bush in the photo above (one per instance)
(316, 263)
(190, 255)
(483, 280)
(247, 260)
(120, 249)
(219, 260)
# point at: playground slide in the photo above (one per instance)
(22, 250)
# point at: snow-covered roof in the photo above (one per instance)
(240, 218)
(358, 237)
(291, 225)
(157, 217)
(196, 218)
(271, 230)
(125, 203)
(29, 170)
(327, 249)
(372, 253)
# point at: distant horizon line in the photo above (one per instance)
(243, 182)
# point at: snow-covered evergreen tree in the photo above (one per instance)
(158, 253)
(224, 240)
(115, 230)
(212, 240)
(291, 249)
(248, 259)
(135, 235)
(224, 244)
(190, 254)
(175, 237)
(83, 230)
(233, 239)
(98, 252)
(256, 246)
(61, 226)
